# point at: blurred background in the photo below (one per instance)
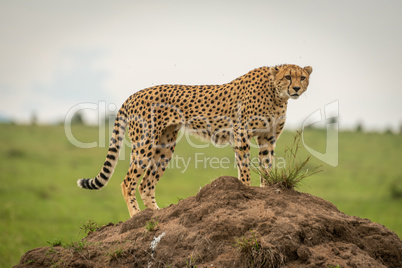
(57, 54)
(60, 55)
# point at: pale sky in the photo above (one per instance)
(57, 54)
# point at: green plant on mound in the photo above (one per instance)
(151, 225)
(255, 255)
(77, 246)
(294, 171)
(55, 243)
(89, 227)
(116, 254)
(190, 263)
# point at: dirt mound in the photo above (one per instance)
(230, 225)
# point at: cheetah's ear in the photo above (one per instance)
(273, 70)
(308, 69)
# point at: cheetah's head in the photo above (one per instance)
(290, 81)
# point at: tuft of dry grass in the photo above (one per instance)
(294, 171)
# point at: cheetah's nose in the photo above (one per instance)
(296, 88)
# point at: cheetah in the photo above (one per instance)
(253, 105)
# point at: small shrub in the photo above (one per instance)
(114, 255)
(16, 153)
(55, 243)
(396, 189)
(295, 170)
(89, 227)
(253, 254)
(151, 225)
(190, 263)
(51, 251)
(77, 246)
(247, 244)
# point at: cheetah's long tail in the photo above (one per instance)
(113, 154)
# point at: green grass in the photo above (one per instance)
(40, 200)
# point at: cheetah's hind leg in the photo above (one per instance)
(163, 153)
(129, 186)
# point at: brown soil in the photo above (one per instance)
(230, 225)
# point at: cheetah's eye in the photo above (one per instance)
(303, 78)
(288, 77)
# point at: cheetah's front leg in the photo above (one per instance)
(242, 155)
(266, 145)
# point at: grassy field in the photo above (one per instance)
(40, 201)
